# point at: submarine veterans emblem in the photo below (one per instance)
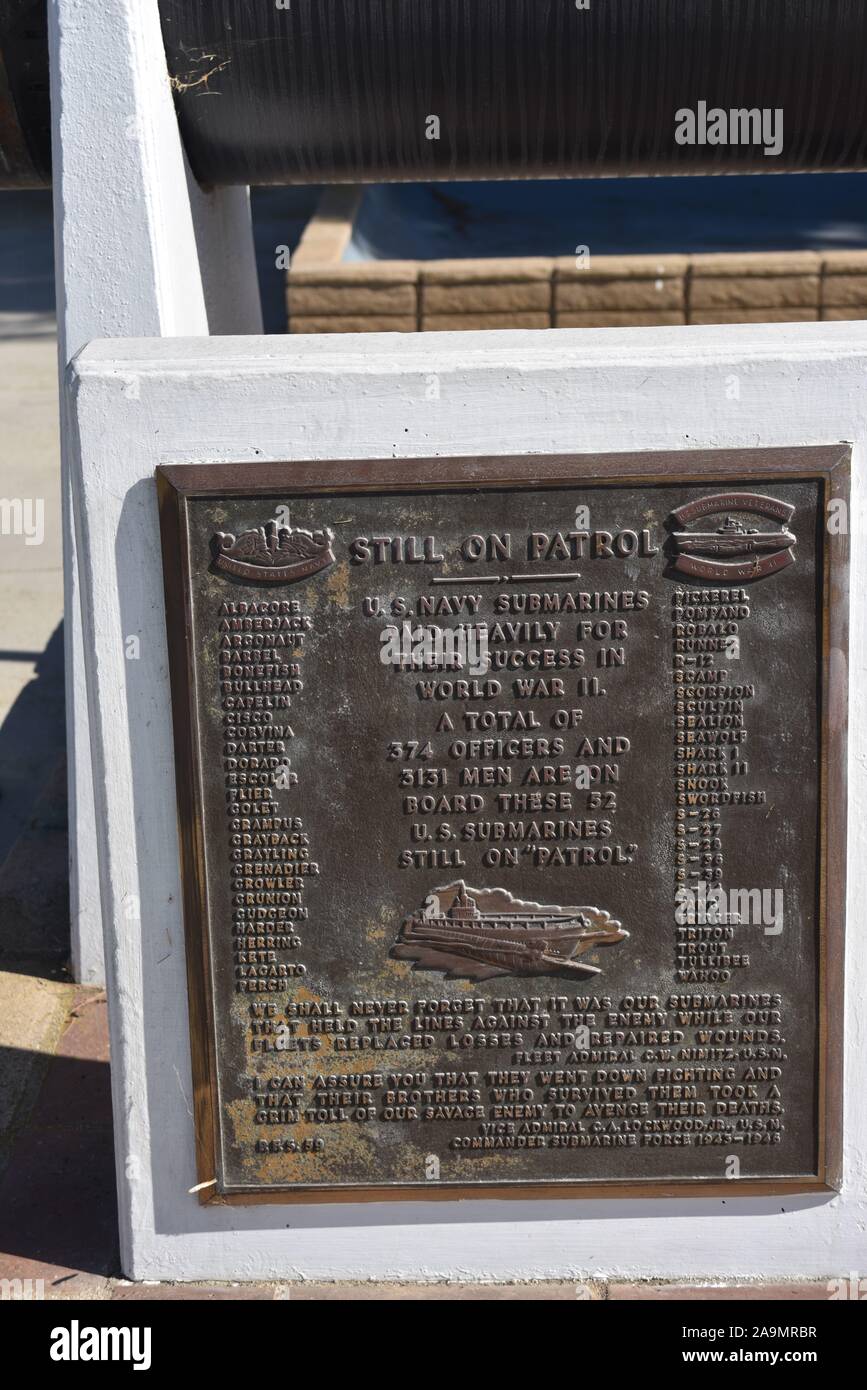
(734, 549)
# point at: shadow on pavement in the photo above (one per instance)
(58, 1212)
(34, 878)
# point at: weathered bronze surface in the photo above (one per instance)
(511, 813)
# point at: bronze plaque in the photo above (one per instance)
(511, 800)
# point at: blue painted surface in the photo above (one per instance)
(783, 212)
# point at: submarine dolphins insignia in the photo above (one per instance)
(754, 553)
(274, 554)
(475, 934)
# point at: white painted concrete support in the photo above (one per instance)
(140, 250)
(138, 404)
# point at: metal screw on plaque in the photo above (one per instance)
(733, 1166)
(432, 1168)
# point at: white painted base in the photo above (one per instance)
(139, 249)
(141, 403)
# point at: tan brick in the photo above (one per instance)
(844, 262)
(754, 291)
(497, 270)
(635, 318)
(501, 298)
(353, 323)
(443, 323)
(762, 315)
(844, 291)
(357, 274)
(316, 299)
(657, 267)
(850, 315)
(742, 265)
(620, 295)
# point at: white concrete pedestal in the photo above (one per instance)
(136, 404)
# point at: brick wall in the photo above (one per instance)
(328, 295)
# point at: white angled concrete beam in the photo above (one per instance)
(140, 250)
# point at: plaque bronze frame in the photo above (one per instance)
(829, 464)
